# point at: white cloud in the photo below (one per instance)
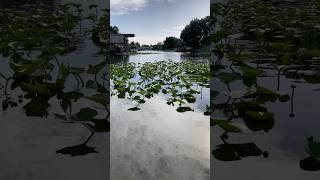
(124, 7)
(121, 7)
(148, 39)
(175, 31)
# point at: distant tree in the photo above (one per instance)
(171, 43)
(196, 34)
(158, 46)
(114, 29)
(138, 44)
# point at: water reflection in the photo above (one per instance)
(25, 3)
(152, 56)
(48, 84)
(157, 142)
(270, 102)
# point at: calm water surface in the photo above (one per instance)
(152, 56)
(28, 151)
(157, 142)
(285, 142)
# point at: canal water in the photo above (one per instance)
(29, 144)
(157, 142)
(284, 144)
(153, 56)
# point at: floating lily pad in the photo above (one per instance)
(97, 68)
(86, 114)
(134, 109)
(100, 98)
(227, 126)
(77, 150)
(184, 109)
(235, 152)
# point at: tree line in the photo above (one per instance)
(193, 37)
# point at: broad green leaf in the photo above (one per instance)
(260, 116)
(100, 99)
(314, 149)
(86, 114)
(78, 150)
(184, 109)
(97, 68)
(227, 77)
(227, 126)
(134, 109)
(42, 89)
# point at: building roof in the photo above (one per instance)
(124, 35)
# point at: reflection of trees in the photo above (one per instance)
(119, 59)
(38, 75)
(311, 163)
(19, 3)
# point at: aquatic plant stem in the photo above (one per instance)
(6, 86)
(292, 97)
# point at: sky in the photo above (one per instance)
(153, 20)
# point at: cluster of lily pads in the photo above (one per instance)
(253, 39)
(178, 81)
(32, 42)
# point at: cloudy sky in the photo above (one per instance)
(153, 20)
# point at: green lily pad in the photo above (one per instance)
(314, 149)
(134, 109)
(97, 68)
(184, 109)
(42, 89)
(100, 99)
(86, 114)
(77, 150)
(227, 126)
(227, 77)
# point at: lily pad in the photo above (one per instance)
(86, 114)
(134, 109)
(77, 150)
(227, 126)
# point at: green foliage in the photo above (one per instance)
(171, 43)
(227, 126)
(253, 40)
(177, 80)
(196, 34)
(32, 42)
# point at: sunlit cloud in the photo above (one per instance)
(122, 7)
(174, 31)
(125, 7)
(147, 39)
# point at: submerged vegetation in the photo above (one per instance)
(252, 40)
(32, 42)
(178, 81)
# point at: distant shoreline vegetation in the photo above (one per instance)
(194, 39)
